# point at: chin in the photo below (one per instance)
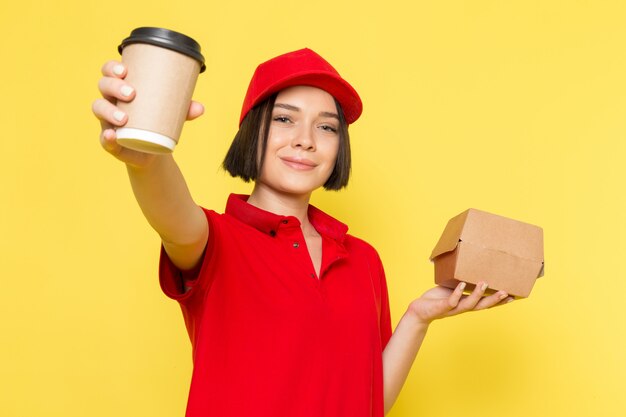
(298, 189)
(295, 186)
(294, 183)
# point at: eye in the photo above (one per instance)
(329, 128)
(282, 119)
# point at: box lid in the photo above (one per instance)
(492, 232)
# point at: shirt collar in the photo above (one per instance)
(267, 222)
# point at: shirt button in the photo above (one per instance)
(296, 245)
(272, 233)
(312, 275)
(285, 221)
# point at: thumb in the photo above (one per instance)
(196, 110)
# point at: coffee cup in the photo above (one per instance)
(163, 67)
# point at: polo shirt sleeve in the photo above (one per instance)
(385, 312)
(197, 280)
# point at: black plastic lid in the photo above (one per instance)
(167, 39)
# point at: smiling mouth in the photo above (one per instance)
(298, 164)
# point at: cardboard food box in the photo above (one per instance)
(479, 246)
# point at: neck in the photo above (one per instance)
(284, 204)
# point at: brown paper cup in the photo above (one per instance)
(164, 80)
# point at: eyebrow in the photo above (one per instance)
(294, 108)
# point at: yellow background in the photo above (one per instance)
(514, 107)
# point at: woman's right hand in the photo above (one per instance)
(113, 89)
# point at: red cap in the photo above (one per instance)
(302, 67)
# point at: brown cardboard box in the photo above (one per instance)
(479, 246)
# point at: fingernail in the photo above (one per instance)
(127, 90)
(503, 295)
(118, 69)
(510, 300)
(462, 286)
(119, 115)
(484, 286)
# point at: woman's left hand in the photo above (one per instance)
(440, 302)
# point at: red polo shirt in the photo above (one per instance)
(269, 337)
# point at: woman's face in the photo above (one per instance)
(303, 141)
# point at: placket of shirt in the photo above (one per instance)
(290, 233)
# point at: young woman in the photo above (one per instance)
(288, 315)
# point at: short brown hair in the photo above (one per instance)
(242, 160)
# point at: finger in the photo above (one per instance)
(506, 300)
(491, 301)
(109, 142)
(108, 113)
(108, 139)
(114, 88)
(470, 302)
(456, 295)
(113, 69)
(196, 110)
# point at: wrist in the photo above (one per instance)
(414, 322)
(146, 163)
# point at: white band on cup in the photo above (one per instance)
(144, 140)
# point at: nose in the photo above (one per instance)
(304, 138)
